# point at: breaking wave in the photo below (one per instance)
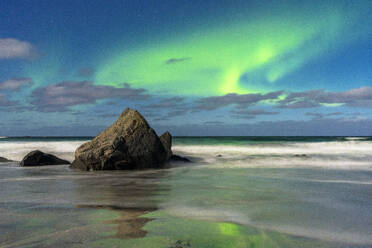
(350, 154)
(16, 150)
(355, 154)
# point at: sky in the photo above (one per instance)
(193, 67)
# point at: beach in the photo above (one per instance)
(238, 192)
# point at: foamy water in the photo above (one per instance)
(339, 155)
(355, 153)
(18, 149)
(235, 189)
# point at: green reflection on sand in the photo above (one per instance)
(229, 229)
(169, 231)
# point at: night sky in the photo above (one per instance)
(194, 67)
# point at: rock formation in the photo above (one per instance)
(130, 143)
(166, 140)
(38, 158)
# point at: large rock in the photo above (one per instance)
(38, 158)
(166, 140)
(130, 143)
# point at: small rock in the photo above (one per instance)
(300, 155)
(219, 155)
(181, 244)
(38, 158)
(177, 158)
(4, 160)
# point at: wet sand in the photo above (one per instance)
(130, 223)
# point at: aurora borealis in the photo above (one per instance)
(221, 67)
(219, 57)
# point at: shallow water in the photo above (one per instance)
(258, 193)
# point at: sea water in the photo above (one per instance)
(238, 192)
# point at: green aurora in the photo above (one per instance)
(213, 61)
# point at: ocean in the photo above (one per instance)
(238, 192)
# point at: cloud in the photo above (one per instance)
(176, 60)
(340, 127)
(239, 100)
(15, 49)
(251, 113)
(316, 115)
(217, 123)
(175, 113)
(167, 103)
(359, 97)
(169, 108)
(171, 114)
(4, 101)
(109, 115)
(15, 107)
(86, 72)
(58, 97)
(15, 84)
(9, 106)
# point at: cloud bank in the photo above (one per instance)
(57, 97)
(359, 97)
(240, 100)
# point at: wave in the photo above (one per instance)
(352, 154)
(339, 155)
(356, 138)
(292, 163)
(17, 150)
(350, 147)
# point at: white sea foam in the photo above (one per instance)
(339, 155)
(353, 154)
(349, 147)
(16, 150)
(355, 138)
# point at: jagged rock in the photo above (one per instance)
(129, 143)
(4, 160)
(166, 140)
(38, 158)
(177, 158)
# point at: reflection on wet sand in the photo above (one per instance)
(127, 196)
(58, 207)
(130, 222)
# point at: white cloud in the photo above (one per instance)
(12, 48)
(14, 83)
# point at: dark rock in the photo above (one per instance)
(301, 155)
(166, 140)
(38, 158)
(4, 160)
(177, 158)
(181, 244)
(219, 156)
(130, 143)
